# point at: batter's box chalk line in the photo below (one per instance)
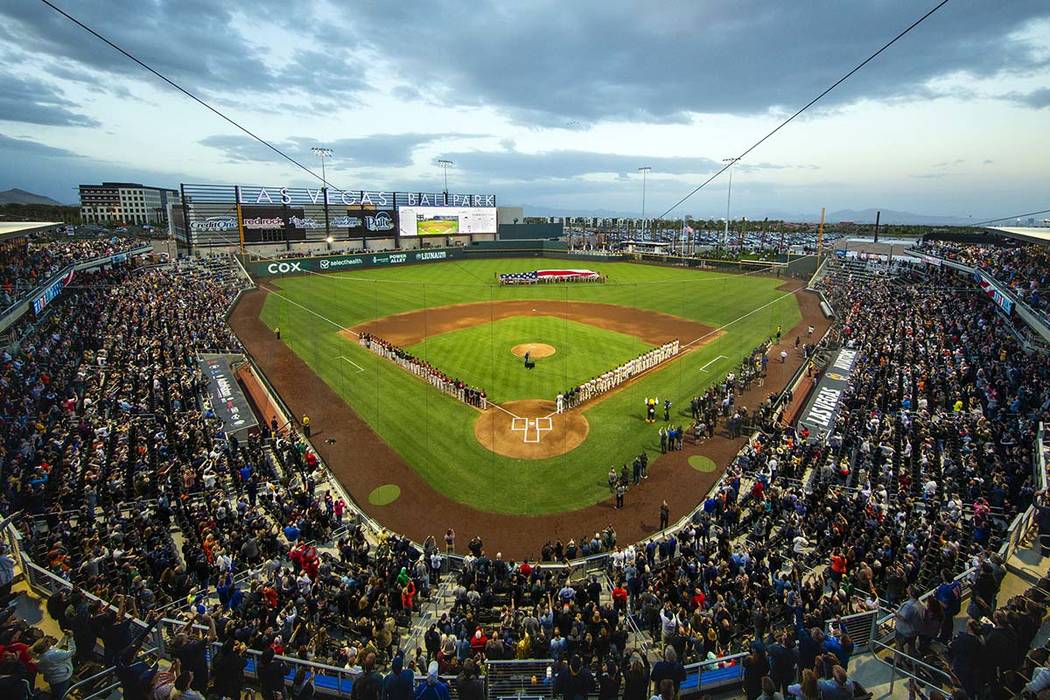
(531, 429)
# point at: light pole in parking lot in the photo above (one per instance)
(323, 153)
(444, 163)
(729, 198)
(644, 170)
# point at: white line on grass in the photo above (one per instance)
(720, 357)
(308, 310)
(347, 359)
(741, 318)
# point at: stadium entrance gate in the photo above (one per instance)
(520, 680)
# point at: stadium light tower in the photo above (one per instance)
(729, 197)
(444, 163)
(323, 153)
(644, 170)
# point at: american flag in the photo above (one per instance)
(547, 275)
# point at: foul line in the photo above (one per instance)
(347, 359)
(741, 318)
(720, 357)
(309, 310)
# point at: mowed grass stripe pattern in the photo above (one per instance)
(434, 433)
(482, 357)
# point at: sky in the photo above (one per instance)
(549, 105)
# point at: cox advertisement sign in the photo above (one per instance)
(336, 263)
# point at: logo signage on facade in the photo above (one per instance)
(823, 407)
(215, 223)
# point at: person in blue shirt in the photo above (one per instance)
(399, 684)
(949, 595)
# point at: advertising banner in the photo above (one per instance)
(375, 223)
(446, 221)
(992, 290)
(51, 291)
(337, 263)
(275, 218)
(823, 405)
(227, 400)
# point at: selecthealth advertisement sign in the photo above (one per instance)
(338, 263)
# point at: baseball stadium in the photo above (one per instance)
(295, 440)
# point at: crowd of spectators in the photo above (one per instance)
(26, 263)
(1024, 269)
(135, 494)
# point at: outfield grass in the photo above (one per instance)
(434, 433)
(482, 357)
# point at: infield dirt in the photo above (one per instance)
(415, 326)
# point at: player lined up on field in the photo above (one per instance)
(455, 388)
(615, 377)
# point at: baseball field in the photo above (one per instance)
(456, 318)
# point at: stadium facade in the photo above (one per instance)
(297, 219)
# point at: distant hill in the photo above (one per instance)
(17, 196)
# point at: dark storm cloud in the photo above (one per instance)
(1037, 99)
(377, 150)
(195, 42)
(588, 61)
(36, 102)
(12, 147)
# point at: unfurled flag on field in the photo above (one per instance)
(566, 274)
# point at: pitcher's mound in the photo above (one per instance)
(535, 431)
(535, 350)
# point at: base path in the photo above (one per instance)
(530, 430)
(363, 462)
(413, 327)
(535, 350)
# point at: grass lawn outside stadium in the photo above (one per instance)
(435, 433)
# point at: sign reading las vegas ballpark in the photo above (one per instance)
(824, 405)
(291, 196)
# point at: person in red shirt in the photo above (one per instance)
(478, 641)
(408, 595)
(838, 566)
(619, 596)
(525, 568)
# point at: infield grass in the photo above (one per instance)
(434, 433)
(482, 357)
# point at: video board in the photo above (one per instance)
(446, 221)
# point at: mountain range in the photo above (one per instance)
(17, 196)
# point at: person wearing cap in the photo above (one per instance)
(433, 688)
(399, 683)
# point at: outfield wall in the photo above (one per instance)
(277, 265)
